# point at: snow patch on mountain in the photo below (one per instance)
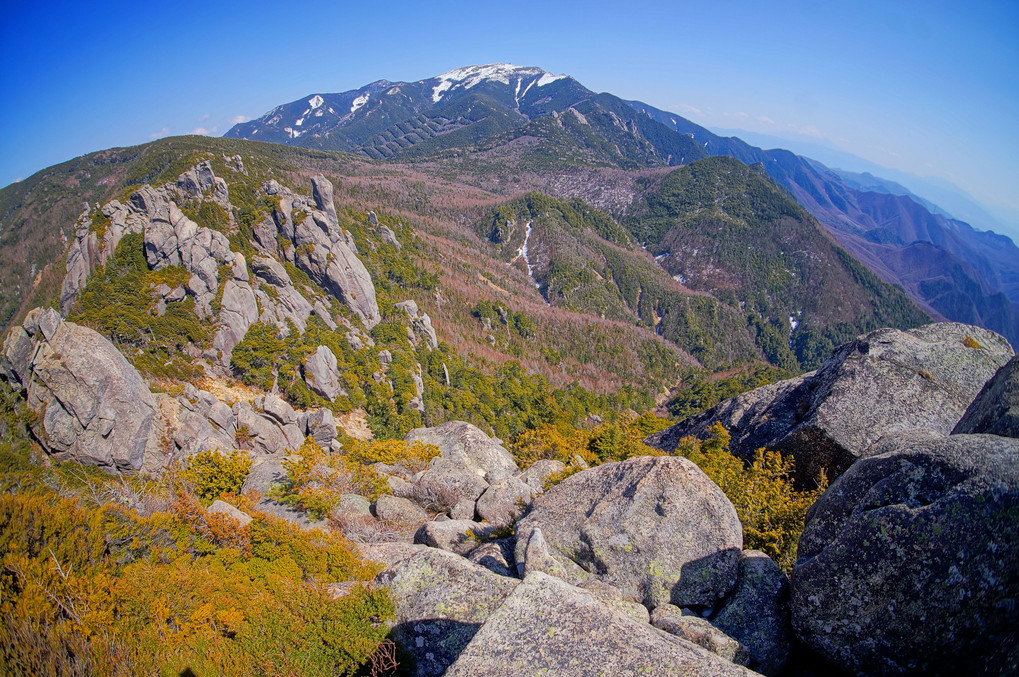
(359, 101)
(548, 79)
(471, 76)
(439, 89)
(522, 252)
(315, 101)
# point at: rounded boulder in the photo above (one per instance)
(656, 528)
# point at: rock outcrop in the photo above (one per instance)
(322, 374)
(656, 528)
(549, 627)
(238, 311)
(995, 411)
(883, 382)
(319, 246)
(421, 324)
(172, 239)
(92, 405)
(909, 563)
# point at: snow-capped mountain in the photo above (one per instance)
(384, 118)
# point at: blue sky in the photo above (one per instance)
(930, 88)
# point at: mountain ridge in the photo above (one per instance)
(575, 126)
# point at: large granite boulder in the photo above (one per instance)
(548, 627)
(883, 382)
(195, 433)
(320, 425)
(539, 472)
(265, 433)
(656, 528)
(468, 463)
(909, 563)
(399, 510)
(93, 406)
(995, 411)
(441, 601)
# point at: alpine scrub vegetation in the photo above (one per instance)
(144, 581)
(771, 510)
(213, 474)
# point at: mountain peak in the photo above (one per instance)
(469, 76)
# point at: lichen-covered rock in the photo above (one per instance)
(756, 614)
(463, 510)
(883, 382)
(695, 629)
(353, 504)
(457, 536)
(496, 556)
(995, 411)
(92, 405)
(538, 472)
(909, 562)
(503, 502)
(399, 510)
(547, 627)
(322, 374)
(469, 461)
(441, 600)
(656, 528)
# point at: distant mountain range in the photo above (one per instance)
(940, 196)
(528, 119)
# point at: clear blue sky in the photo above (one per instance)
(925, 87)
